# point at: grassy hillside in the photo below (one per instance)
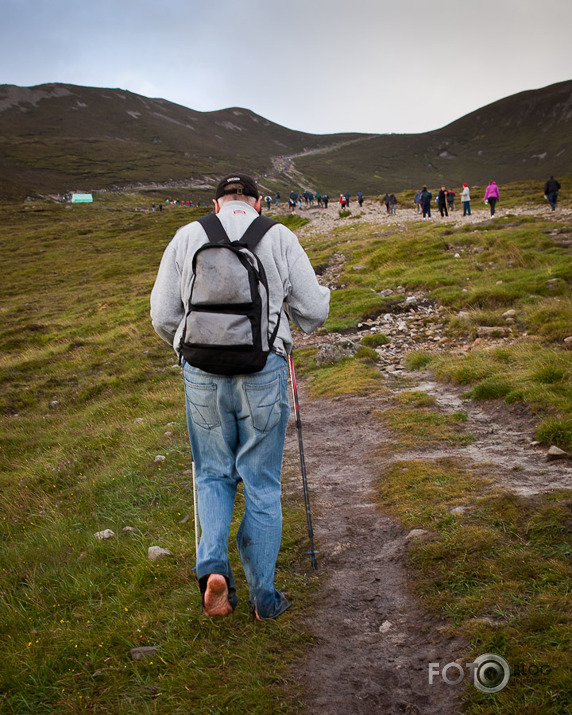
(526, 136)
(59, 137)
(89, 396)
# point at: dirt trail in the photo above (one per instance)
(354, 667)
(373, 642)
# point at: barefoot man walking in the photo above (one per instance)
(237, 422)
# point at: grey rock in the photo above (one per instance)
(334, 352)
(492, 331)
(556, 453)
(104, 535)
(156, 553)
(416, 533)
(143, 652)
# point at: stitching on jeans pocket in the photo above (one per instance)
(203, 404)
(264, 404)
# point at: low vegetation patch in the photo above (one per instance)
(537, 375)
(499, 570)
(416, 424)
(350, 376)
(89, 397)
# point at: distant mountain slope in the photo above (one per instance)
(525, 136)
(58, 137)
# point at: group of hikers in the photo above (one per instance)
(299, 199)
(305, 199)
(445, 199)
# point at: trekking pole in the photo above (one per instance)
(311, 552)
(196, 511)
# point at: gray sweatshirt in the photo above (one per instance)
(291, 278)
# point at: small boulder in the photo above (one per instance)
(104, 535)
(493, 331)
(556, 453)
(156, 553)
(334, 352)
(416, 533)
(143, 652)
(385, 626)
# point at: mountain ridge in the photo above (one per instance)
(59, 137)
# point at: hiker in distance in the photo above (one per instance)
(237, 421)
(425, 200)
(492, 195)
(442, 201)
(466, 199)
(551, 189)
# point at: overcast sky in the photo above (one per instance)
(318, 66)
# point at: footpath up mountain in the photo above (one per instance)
(59, 137)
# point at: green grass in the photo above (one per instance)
(514, 263)
(416, 424)
(80, 366)
(500, 572)
(350, 376)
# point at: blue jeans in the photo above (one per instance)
(466, 208)
(237, 426)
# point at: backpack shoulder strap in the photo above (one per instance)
(214, 228)
(257, 229)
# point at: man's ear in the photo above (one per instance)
(217, 206)
(257, 204)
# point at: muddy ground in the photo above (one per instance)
(373, 642)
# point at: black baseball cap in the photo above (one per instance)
(246, 186)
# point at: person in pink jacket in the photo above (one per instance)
(492, 196)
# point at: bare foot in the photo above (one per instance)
(216, 597)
